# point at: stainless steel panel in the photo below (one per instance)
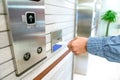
(56, 38)
(84, 23)
(28, 37)
(84, 15)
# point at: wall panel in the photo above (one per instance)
(62, 3)
(5, 55)
(6, 69)
(58, 10)
(2, 22)
(58, 18)
(1, 7)
(4, 40)
(57, 26)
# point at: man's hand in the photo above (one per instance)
(78, 45)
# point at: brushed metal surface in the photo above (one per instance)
(84, 16)
(27, 39)
(84, 23)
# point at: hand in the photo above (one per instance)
(78, 45)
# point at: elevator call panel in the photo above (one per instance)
(26, 21)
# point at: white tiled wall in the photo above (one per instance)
(59, 14)
(2, 22)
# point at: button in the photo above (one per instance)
(39, 50)
(30, 18)
(27, 56)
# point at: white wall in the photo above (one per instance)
(99, 68)
(59, 14)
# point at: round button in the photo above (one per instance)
(27, 56)
(39, 50)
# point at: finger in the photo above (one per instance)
(70, 44)
(70, 47)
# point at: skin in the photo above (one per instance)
(78, 45)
